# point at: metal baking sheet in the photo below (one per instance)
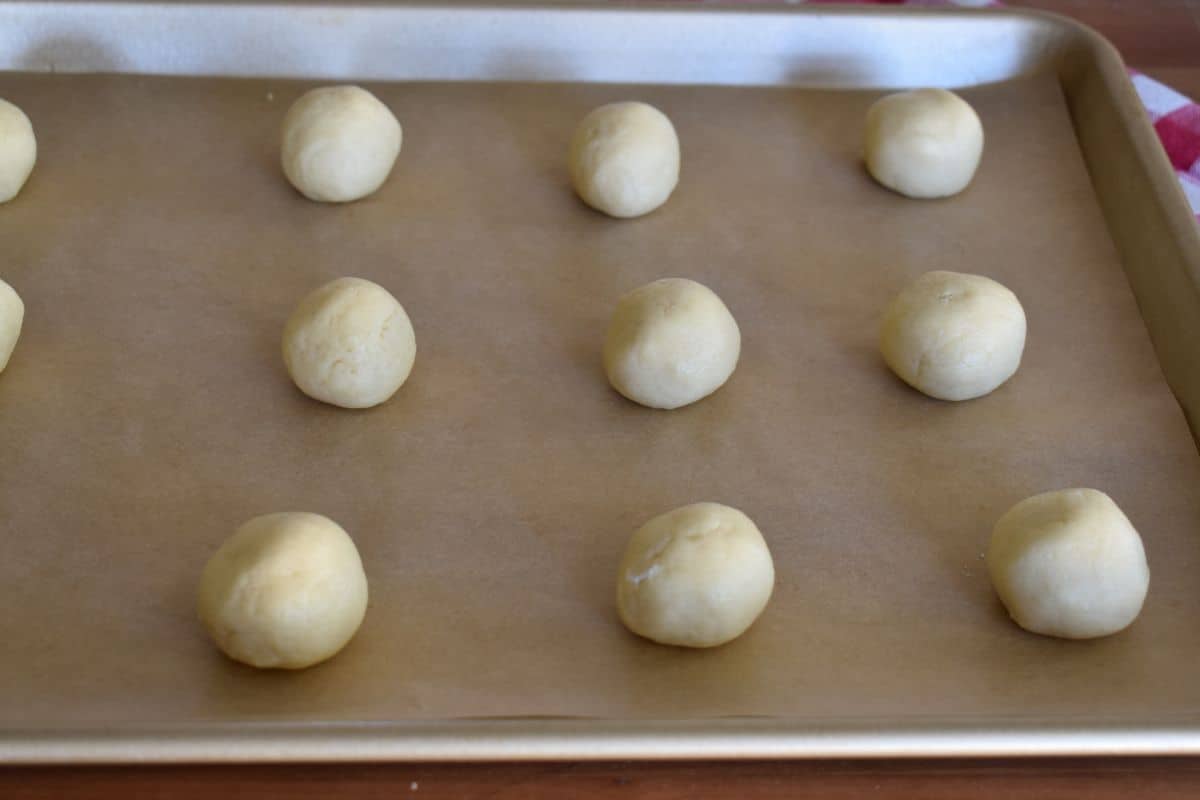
(146, 414)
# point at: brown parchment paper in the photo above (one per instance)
(146, 413)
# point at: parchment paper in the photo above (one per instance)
(146, 413)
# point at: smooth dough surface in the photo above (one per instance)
(698, 576)
(18, 150)
(624, 159)
(670, 343)
(349, 343)
(953, 336)
(1069, 563)
(339, 143)
(286, 590)
(925, 143)
(12, 314)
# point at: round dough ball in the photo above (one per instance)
(12, 314)
(339, 143)
(925, 143)
(670, 343)
(953, 336)
(18, 150)
(624, 159)
(350, 344)
(697, 576)
(1069, 564)
(286, 590)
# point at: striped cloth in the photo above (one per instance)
(1175, 117)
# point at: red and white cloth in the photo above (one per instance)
(1175, 117)
(1177, 121)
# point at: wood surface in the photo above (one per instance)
(1159, 37)
(1096, 779)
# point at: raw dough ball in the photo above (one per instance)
(624, 159)
(18, 150)
(697, 576)
(12, 314)
(339, 143)
(349, 343)
(1070, 564)
(953, 336)
(925, 143)
(670, 343)
(286, 590)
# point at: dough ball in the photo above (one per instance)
(18, 150)
(350, 344)
(12, 314)
(697, 576)
(1069, 564)
(925, 143)
(339, 144)
(670, 343)
(624, 159)
(286, 590)
(953, 336)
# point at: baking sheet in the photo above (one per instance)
(146, 414)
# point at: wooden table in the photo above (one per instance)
(1159, 37)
